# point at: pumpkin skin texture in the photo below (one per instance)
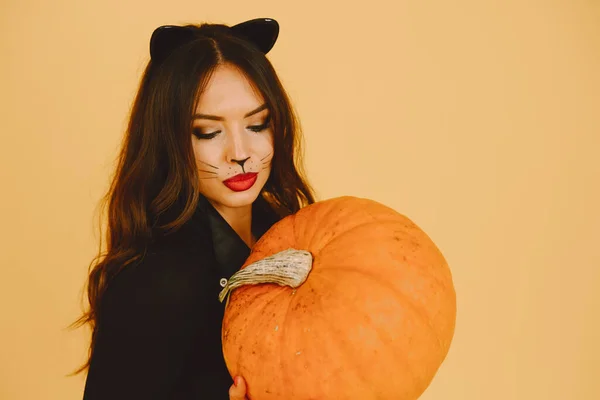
(373, 320)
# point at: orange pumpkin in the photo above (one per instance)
(373, 318)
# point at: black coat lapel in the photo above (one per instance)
(230, 250)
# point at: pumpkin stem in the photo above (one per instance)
(288, 267)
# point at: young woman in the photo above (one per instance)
(209, 163)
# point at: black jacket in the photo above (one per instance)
(160, 321)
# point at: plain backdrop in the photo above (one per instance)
(479, 120)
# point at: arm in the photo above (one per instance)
(151, 321)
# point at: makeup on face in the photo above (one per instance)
(245, 180)
(241, 182)
(232, 139)
(205, 133)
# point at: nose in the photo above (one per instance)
(238, 148)
(241, 162)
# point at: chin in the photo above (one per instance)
(239, 199)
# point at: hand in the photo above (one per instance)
(237, 391)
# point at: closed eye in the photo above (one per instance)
(261, 127)
(201, 135)
(254, 128)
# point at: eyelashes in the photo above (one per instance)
(254, 128)
(198, 133)
(261, 127)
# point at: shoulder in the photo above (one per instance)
(158, 323)
(173, 274)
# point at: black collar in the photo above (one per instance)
(229, 249)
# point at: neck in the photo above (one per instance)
(240, 219)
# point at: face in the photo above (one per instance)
(232, 140)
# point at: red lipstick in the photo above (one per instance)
(241, 182)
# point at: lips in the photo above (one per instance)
(241, 182)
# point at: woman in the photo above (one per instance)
(208, 165)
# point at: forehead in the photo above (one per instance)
(228, 93)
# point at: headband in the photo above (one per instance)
(262, 32)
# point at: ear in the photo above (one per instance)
(263, 32)
(166, 38)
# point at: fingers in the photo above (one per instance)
(237, 391)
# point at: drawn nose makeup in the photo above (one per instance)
(241, 163)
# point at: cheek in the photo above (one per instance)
(266, 151)
(204, 151)
(269, 142)
(262, 145)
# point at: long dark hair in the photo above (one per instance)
(156, 171)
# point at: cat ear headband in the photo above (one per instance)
(262, 32)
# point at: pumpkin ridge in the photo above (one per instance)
(271, 301)
(286, 377)
(250, 319)
(348, 349)
(242, 342)
(238, 311)
(327, 209)
(347, 353)
(416, 309)
(440, 282)
(381, 335)
(349, 230)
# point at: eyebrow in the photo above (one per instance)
(217, 118)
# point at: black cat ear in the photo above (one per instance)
(263, 32)
(166, 38)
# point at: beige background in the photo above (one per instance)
(477, 119)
